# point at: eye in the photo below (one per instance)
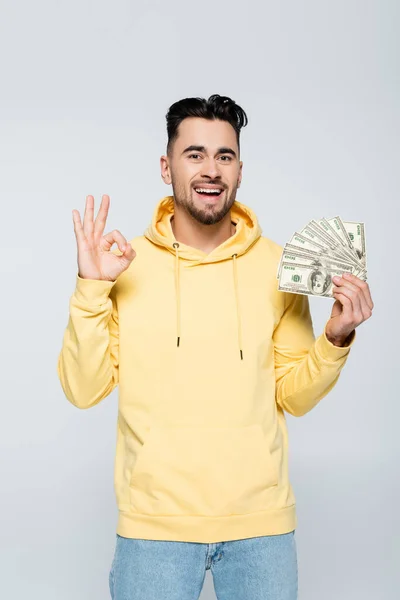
(228, 157)
(190, 155)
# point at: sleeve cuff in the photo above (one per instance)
(92, 291)
(329, 351)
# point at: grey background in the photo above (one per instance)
(84, 91)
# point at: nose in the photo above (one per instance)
(210, 168)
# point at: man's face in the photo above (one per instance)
(205, 153)
(319, 281)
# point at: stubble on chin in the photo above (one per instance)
(208, 216)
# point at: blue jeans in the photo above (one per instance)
(258, 568)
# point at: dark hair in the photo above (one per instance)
(216, 107)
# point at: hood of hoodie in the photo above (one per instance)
(247, 233)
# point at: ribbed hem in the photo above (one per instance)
(328, 351)
(92, 291)
(207, 529)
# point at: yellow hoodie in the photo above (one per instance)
(208, 355)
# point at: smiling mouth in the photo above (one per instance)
(210, 194)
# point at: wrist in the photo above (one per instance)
(339, 340)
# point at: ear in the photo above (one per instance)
(240, 173)
(165, 169)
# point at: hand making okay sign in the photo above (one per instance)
(95, 260)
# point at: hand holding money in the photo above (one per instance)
(328, 259)
(320, 251)
(353, 306)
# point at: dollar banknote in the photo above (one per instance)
(319, 251)
(356, 232)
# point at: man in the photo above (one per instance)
(208, 355)
(319, 282)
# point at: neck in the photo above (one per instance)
(190, 232)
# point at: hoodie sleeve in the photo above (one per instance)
(306, 369)
(88, 362)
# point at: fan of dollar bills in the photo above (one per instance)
(321, 250)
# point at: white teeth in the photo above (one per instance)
(207, 191)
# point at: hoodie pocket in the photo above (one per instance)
(204, 471)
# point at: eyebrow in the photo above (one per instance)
(223, 150)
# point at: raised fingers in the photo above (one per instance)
(78, 229)
(88, 216)
(101, 218)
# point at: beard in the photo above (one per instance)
(211, 213)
